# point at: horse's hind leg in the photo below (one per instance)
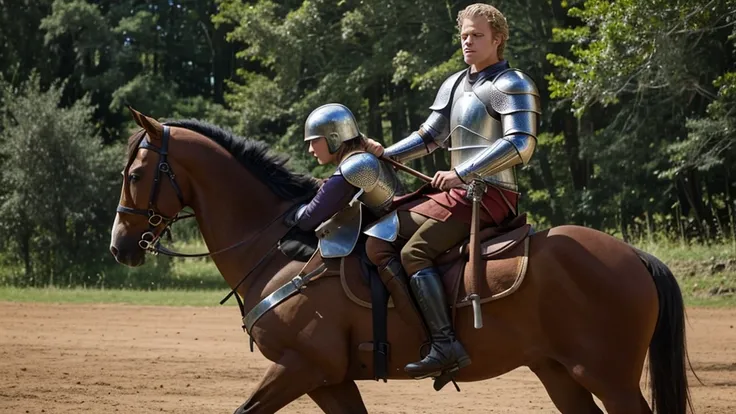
(567, 394)
(628, 402)
(285, 381)
(343, 398)
(578, 381)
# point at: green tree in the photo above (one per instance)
(20, 39)
(59, 186)
(636, 71)
(151, 54)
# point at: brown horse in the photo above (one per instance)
(588, 311)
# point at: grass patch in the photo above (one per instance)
(158, 273)
(168, 297)
(160, 281)
(675, 253)
(706, 273)
(164, 273)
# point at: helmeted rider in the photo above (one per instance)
(486, 116)
(360, 180)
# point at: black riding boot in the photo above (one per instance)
(446, 352)
(394, 277)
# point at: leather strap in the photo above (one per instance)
(379, 309)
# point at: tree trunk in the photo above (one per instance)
(572, 150)
(25, 249)
(623, 221)
(557, 217)
(223, 64)
(375, 128)
(396, 113)
(223, 54)
(716, 221)
(691, 192)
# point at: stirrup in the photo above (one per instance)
(451, 371)
(445, 377)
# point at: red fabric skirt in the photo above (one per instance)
(498, 204)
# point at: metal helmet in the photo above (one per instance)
(333, 121)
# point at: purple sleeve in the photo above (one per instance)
(332, 197)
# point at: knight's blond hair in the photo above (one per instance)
(496, 19)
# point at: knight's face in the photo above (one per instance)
(480, 47)
(319, 150)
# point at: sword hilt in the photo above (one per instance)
(476, 190)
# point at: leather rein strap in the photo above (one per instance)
(151, 240)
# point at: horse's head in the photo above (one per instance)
(232, 183)
(151, 195)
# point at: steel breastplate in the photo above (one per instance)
(473, 130)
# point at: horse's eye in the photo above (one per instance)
(133, 178)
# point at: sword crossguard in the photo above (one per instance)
(476, 189)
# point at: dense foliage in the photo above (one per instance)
(639, 101)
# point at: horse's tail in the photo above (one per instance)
(667, 350)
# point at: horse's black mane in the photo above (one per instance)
(256, 157)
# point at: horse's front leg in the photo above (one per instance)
(342, 398)
(286, 380)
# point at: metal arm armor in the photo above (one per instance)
(378, 181)
(434, 131)
(431, 135)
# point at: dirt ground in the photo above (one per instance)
(134, 359)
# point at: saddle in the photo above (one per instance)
(505, 250)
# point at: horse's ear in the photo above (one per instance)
(154, 128)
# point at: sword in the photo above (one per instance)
(408, 170)
(476, 191)
(415, 173)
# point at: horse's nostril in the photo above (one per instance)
(114, 251)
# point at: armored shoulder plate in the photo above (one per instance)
(514, 81)
(444, 95)
(512, 91)
(361, 170)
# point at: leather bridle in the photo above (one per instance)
(150, 240)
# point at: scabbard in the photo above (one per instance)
(475, 263)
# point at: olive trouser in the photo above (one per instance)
(426, 239)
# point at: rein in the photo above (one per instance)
(151, 240)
